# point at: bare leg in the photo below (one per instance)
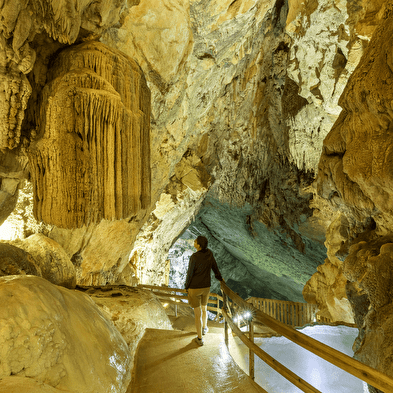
(198, 321)
(204, 316)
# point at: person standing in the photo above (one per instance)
(198, 284)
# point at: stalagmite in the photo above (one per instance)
(91, 160)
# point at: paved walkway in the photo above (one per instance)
(169, 361)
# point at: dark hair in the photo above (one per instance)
(202, 241)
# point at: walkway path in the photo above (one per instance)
(169, 361)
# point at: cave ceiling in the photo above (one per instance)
(241, 97)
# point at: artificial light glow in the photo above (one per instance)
(247, 314)
(165, 305)
(8, 231)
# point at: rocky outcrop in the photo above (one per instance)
(354, 176)
(50, 258)
(91, 160)
(15, 261)
(100, 253)
(327, 287)
(256, 107)
(39, 256)
(57, 336)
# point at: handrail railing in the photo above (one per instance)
(360, 370)
(176, 300)
(232, 300)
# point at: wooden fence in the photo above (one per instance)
(290, 313)
(366, 373)
(231, 304)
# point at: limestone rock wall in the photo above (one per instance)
(173, 213)
(25, 385)
(31, 33)
(355, 178)
(245, 89)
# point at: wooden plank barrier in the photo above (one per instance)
(290, 313)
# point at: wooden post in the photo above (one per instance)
(175, 308)
(225, 307)
(251, 352)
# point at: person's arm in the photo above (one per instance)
(216, 271)
(190, 272)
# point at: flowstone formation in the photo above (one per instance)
(132, 311)
(60, 337)
(91, 160)
(30, 32)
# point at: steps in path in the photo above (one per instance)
(169, 361)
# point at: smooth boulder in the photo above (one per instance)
(59, 336)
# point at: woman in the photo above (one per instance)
(198, 284)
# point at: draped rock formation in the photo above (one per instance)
(60, 337)
(91, 160)
(20, 22)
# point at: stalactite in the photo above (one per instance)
(92, 158)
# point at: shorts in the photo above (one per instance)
(198, 296)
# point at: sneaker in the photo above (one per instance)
(205, 330)
(199, 341)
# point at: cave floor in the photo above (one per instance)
(169, 361)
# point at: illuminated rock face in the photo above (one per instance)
(327, 287)
(50, 258)
(60, 337)
(92, 157)
(252, 92)
(354, 176)
(243, 94)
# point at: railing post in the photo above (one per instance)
(175, 308)
(251, 352)
(224, 306)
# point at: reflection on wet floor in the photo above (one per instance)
(171, 362)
